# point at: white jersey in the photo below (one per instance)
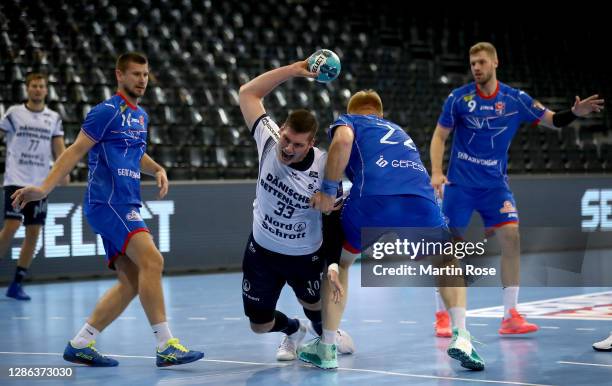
(29, 137)
(283, 221)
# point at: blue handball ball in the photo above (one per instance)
(326, 64)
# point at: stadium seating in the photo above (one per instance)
(200, 53)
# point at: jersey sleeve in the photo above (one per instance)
(263, 129)
(58, 130)
(98, 120)
(6, 123)
(447, 117)
(341, 121)
(530, 110)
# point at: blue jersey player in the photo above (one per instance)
(391, 189)
(485, 116)
(114, 133)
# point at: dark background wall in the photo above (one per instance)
(203, 226)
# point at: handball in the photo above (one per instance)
(326, 64)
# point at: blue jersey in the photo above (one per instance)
(120, 132)
(483, 129)
(384, 160)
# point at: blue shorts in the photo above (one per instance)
(418, 216)
(496, 206)
(116, 224)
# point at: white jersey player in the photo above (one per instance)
(286, 245)
(33, 135)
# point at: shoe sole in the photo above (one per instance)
(168, 364)
(602, 349)
(465, 360)
(80, 362)
(321, 366)
(501, 332)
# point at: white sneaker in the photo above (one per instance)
(344, 342)
(604, 345)
(287, 349)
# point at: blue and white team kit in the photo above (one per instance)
(483, 129)
(391, 187)
(29, 139)
(112, 201)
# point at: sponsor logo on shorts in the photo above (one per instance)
(508, 207)
(246, 286)
(382, 162)
(252, 247)
(133, 216)
(315, 258)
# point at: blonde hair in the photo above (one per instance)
(365, 99)
(484, 46)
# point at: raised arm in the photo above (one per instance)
(251, 94)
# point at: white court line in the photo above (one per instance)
(128, 318)
(232, 318)
(57, 318)
(382, 372)
(585, 329)
(550, 327)
(197, 318)
(21, 318)
(408, 322)
(478, 324)
(583, 364)
(372, 321)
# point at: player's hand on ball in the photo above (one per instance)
(336, 286)
(301, 69)
(28, 194)
(438, 180)
(162, 183)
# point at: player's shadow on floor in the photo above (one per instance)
(297, 375)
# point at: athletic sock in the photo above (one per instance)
(162, 334)
(510, 300)
(20, 274)
(328, 337)
(86, 334)
(457, 315)
(439, 301)
(315, 319)
(284, 324)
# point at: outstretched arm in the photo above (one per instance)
(581, 108)
(251, 94)
(63, 165)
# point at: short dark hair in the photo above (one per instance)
(36, 76)
(130, 57)
(302, 121)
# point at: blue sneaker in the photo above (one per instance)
(88, 356)
(175, 353)
(15, 291)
